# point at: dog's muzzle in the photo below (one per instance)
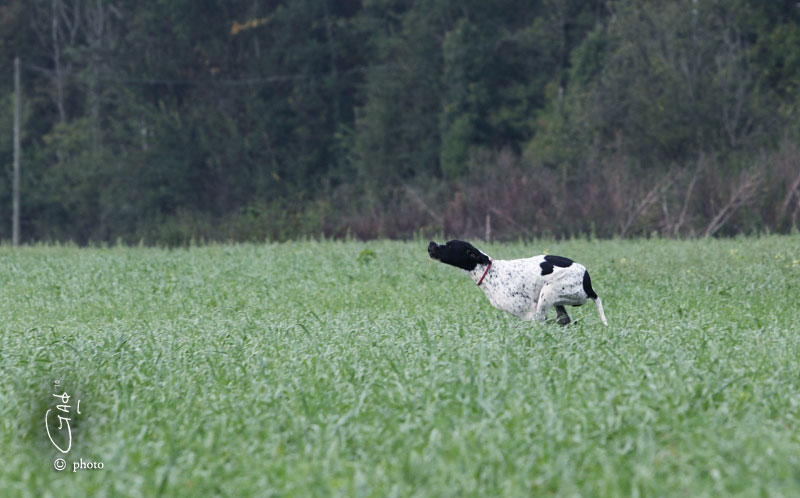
(433, 250)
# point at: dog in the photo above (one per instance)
(526, 288)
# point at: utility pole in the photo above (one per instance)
(15, 187)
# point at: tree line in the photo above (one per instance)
(176, 120)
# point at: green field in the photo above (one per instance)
(324, 368)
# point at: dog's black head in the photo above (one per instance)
(458, 253)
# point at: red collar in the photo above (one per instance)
(485, 272)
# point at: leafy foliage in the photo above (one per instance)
(370, 116)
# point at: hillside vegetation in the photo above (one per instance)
(249, 120)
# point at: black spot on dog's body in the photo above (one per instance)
(559, 261)
(587, 286)
(552, 261)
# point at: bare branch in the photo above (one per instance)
(418, 200)
(510, 220)
(742, 194)
(647, 201)
(701, 163)
(789, 162)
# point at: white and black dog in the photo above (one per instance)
(528, 287)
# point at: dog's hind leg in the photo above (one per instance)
(546, 300)
(562, 318)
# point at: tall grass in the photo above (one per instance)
(302, 369)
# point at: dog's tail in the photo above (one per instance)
(587, 288)
(599, 305)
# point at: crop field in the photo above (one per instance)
(366, 369)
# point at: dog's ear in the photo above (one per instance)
(473, 255)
